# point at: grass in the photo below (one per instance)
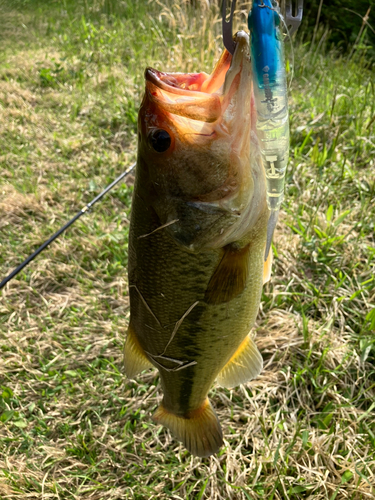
(71, 425)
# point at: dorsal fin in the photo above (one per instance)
(267, 267)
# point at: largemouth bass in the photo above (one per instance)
(197, 241)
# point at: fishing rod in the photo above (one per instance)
(85, 209)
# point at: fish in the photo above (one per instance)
(197, 239)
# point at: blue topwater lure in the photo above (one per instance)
(270, 91)
(271, 101)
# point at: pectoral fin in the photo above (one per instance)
(230, 276)
(135, 360)
(245, 364)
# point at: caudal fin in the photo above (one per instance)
(199, 431)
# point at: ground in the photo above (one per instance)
(71, 425)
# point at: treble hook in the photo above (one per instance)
(227, 27)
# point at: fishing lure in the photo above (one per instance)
(271, 101)
(270, 90)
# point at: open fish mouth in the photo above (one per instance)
(199, 96)
(190, 95)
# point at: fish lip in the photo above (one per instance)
(154, 77)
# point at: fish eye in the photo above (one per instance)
(160, 140)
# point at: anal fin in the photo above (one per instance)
(135, 359)
(199, 430)
(245, 364)
(230, 276)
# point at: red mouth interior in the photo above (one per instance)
(183, 83)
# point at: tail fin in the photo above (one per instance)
(199, 431)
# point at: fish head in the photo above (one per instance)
(199, 163)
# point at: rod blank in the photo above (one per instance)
(65, 227)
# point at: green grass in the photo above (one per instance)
(71, 425)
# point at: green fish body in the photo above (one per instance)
(197, 239)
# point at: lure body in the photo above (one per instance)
(271, 100)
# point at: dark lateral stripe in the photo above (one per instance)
(186, 390)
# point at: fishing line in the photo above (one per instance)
(85, 209)
(289, 36)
